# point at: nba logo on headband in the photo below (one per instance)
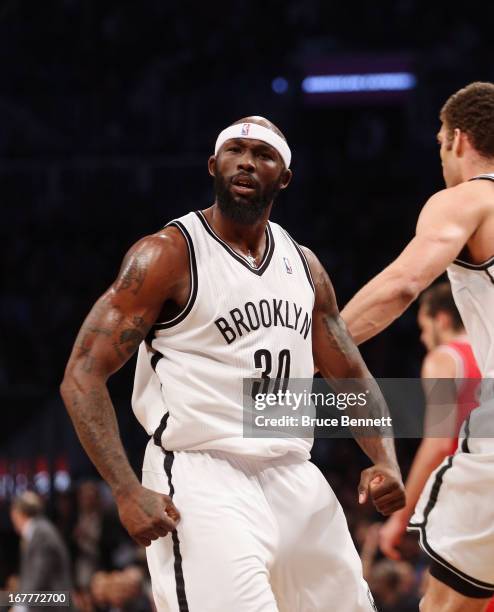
(255, 131)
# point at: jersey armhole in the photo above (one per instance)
(193, 281)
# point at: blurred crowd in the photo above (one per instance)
(82, 548)
(108, 572)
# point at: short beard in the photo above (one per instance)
(247, 212)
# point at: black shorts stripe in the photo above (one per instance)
(445, 571)
(183, 606)
(160, 429)
(155, 358)
(436, 487)
(464, 444)
(193, 282)
(458, 584)
(305, 263)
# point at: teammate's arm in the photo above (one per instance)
(430, 453)
(337, 357)
(150, 274)
(444, 226)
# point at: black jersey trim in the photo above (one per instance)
(457, 579)
(305, 263)
(481, 266)
(489, 262)
(183, 606)
(268, 252)
(483, 177)
(193, 281)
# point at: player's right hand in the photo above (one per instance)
(147, 515)
(390, 535)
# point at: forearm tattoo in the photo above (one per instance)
(84, 391)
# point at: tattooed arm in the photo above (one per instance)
(337, 358)
(154, 271)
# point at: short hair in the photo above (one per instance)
(471, 110)
(439, 298)
(29, 504)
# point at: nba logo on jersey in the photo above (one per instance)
(245, 129)
(287, 265)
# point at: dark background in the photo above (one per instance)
(108, 113)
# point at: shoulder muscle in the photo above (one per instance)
(151, 272)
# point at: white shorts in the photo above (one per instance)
(256, 535)
(455, 519)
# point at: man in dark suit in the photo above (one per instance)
(45, 563)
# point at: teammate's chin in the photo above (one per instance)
(244, 209)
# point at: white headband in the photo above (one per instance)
(256, 132)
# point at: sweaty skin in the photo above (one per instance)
(154, 283)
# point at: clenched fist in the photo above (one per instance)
(383, 484)
(147, 515)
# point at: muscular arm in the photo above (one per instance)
(444, 226)
(151, 273)
(337, 358)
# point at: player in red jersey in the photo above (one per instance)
(449, 355)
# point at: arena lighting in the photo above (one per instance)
(279, 85)
(355, 83)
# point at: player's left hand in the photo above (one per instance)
(383, 484)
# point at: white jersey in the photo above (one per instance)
(240, 322)
(472, 286)
(473, 291)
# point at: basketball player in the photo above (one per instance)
(218, 296)
(455, 231)
(449, 356)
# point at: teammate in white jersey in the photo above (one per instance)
(216, 297)
(455, 231)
